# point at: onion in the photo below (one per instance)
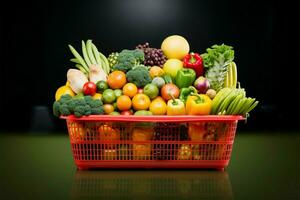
(201, 84)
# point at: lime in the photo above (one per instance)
(109, 96)
(102, 85)
(151, 90)
(118, 92)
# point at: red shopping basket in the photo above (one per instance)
(105, 141)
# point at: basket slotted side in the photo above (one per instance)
(151, 142)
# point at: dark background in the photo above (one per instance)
(35, 56)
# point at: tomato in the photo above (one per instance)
(168, 90)
(89, 88)
(126, 112)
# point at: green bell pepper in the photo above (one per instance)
(185, 92)
(185, 77)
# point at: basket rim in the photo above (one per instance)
(155, 118)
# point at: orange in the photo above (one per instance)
(130, 89)
(141, 102)
(108, 108)
(123, 102)
(116, 79)
(158, 107)
(156, 71)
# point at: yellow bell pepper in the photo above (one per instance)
(175, 107)
(198, 104)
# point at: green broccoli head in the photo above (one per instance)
(65, 98)
(55, 107)
(139, 76)
(128, 59)
(64, 110)
(97, 110)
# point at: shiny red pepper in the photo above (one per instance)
(194, 61)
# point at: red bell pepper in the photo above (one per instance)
(194, 61)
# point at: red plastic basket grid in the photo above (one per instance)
(151, 141)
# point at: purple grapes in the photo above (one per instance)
(153, 56)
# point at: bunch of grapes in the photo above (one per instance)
(153, 56)
(113, 59)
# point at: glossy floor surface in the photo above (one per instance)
(263, 166)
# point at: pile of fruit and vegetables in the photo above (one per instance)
(145, 80)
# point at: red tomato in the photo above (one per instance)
(126, 112)
(89, 88)
(169, 89)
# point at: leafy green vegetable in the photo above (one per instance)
(218, 55)
(216, 61)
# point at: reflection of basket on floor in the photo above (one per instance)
(137, 184)
(152, 142)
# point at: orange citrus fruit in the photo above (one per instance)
(130, 89)
(123, 102)
(108, 108)
(141, 102)
(116, 79)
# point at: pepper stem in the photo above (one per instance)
(199, 99)
(192, 58)
(174, 100)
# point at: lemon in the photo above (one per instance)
(172, 66)
(62, 91)
(175, 46)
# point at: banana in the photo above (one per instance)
(234, 74)
(219, 98)
(230, 75)
(79, 58)
(90, 52)
(233, 104)
(247, 105)
(85, 56)
(226, 82)
(225, 103)
(252, 106)
(239, 106)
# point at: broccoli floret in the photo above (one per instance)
(78, 106)
(139, 76)
(64, 109)
(95, 103)
(56, 106)
(128, 59)
(65, 98)
(97, 110)
(87, 110)
(79, 111)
